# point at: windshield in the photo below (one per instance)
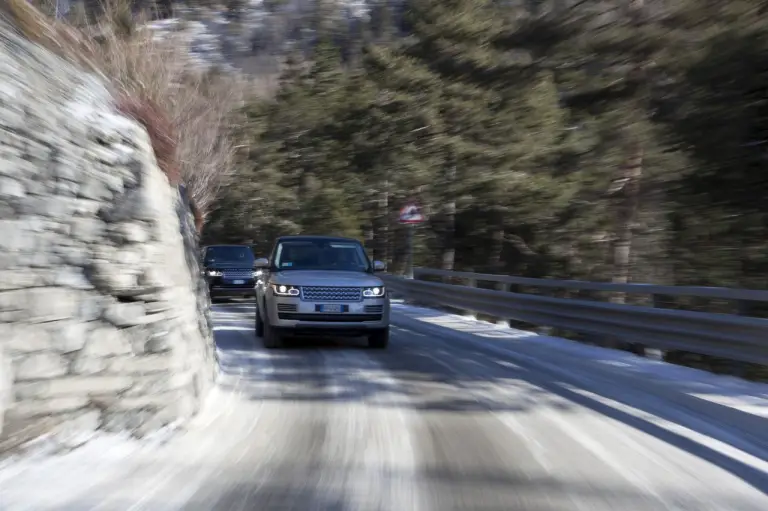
(229, 255)
(321, 255)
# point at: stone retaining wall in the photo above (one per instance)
(103, 317)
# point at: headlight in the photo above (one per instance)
(257, 273)
(285, 290)
(373, 292)
(213, 273)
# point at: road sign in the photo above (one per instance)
(411, 214)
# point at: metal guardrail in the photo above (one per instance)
(730, 336)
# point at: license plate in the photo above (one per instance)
(335, 307)
(238, 282)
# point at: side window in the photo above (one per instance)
(277, 255)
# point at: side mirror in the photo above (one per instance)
(379, 266)
(261, 263)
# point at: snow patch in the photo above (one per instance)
(746, 396)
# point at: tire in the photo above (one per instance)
(271, 338)
(379, 339)
(259, 323)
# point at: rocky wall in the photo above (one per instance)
(103, 318)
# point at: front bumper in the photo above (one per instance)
(299, 317)
(218, 288)
(231, 292)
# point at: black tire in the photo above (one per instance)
(379, 339)
(271, 338)
(259, 323)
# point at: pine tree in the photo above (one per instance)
(471, 97)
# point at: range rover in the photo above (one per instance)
(229, 271)
(320, 285)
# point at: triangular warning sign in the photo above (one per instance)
(411, 214)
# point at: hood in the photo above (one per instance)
(325, 278)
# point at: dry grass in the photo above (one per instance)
(155, 83)
(161, 133)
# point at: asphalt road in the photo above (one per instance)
(438, 422)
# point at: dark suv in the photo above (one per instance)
(229, 271)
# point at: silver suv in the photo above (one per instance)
(320, 285)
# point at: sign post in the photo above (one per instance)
(62, 8)
(410, 216)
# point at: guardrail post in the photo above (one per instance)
(744, 308)
(506, 288)
(659, 302)
(545, 330)
(470, 313)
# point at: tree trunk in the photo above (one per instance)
(627, 206)
(629, 194)
(381, 232)
(626, 213)
(449, 235)
(497, 249)
(449, 218)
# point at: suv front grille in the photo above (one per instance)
(237, 274)
(331, 294)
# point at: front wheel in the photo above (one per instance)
(379, 339)
(271, 338)
(259, 323)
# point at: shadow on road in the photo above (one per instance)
(489, 491)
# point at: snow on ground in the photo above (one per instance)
(746, 396)
(40, 468)
(43, 466)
